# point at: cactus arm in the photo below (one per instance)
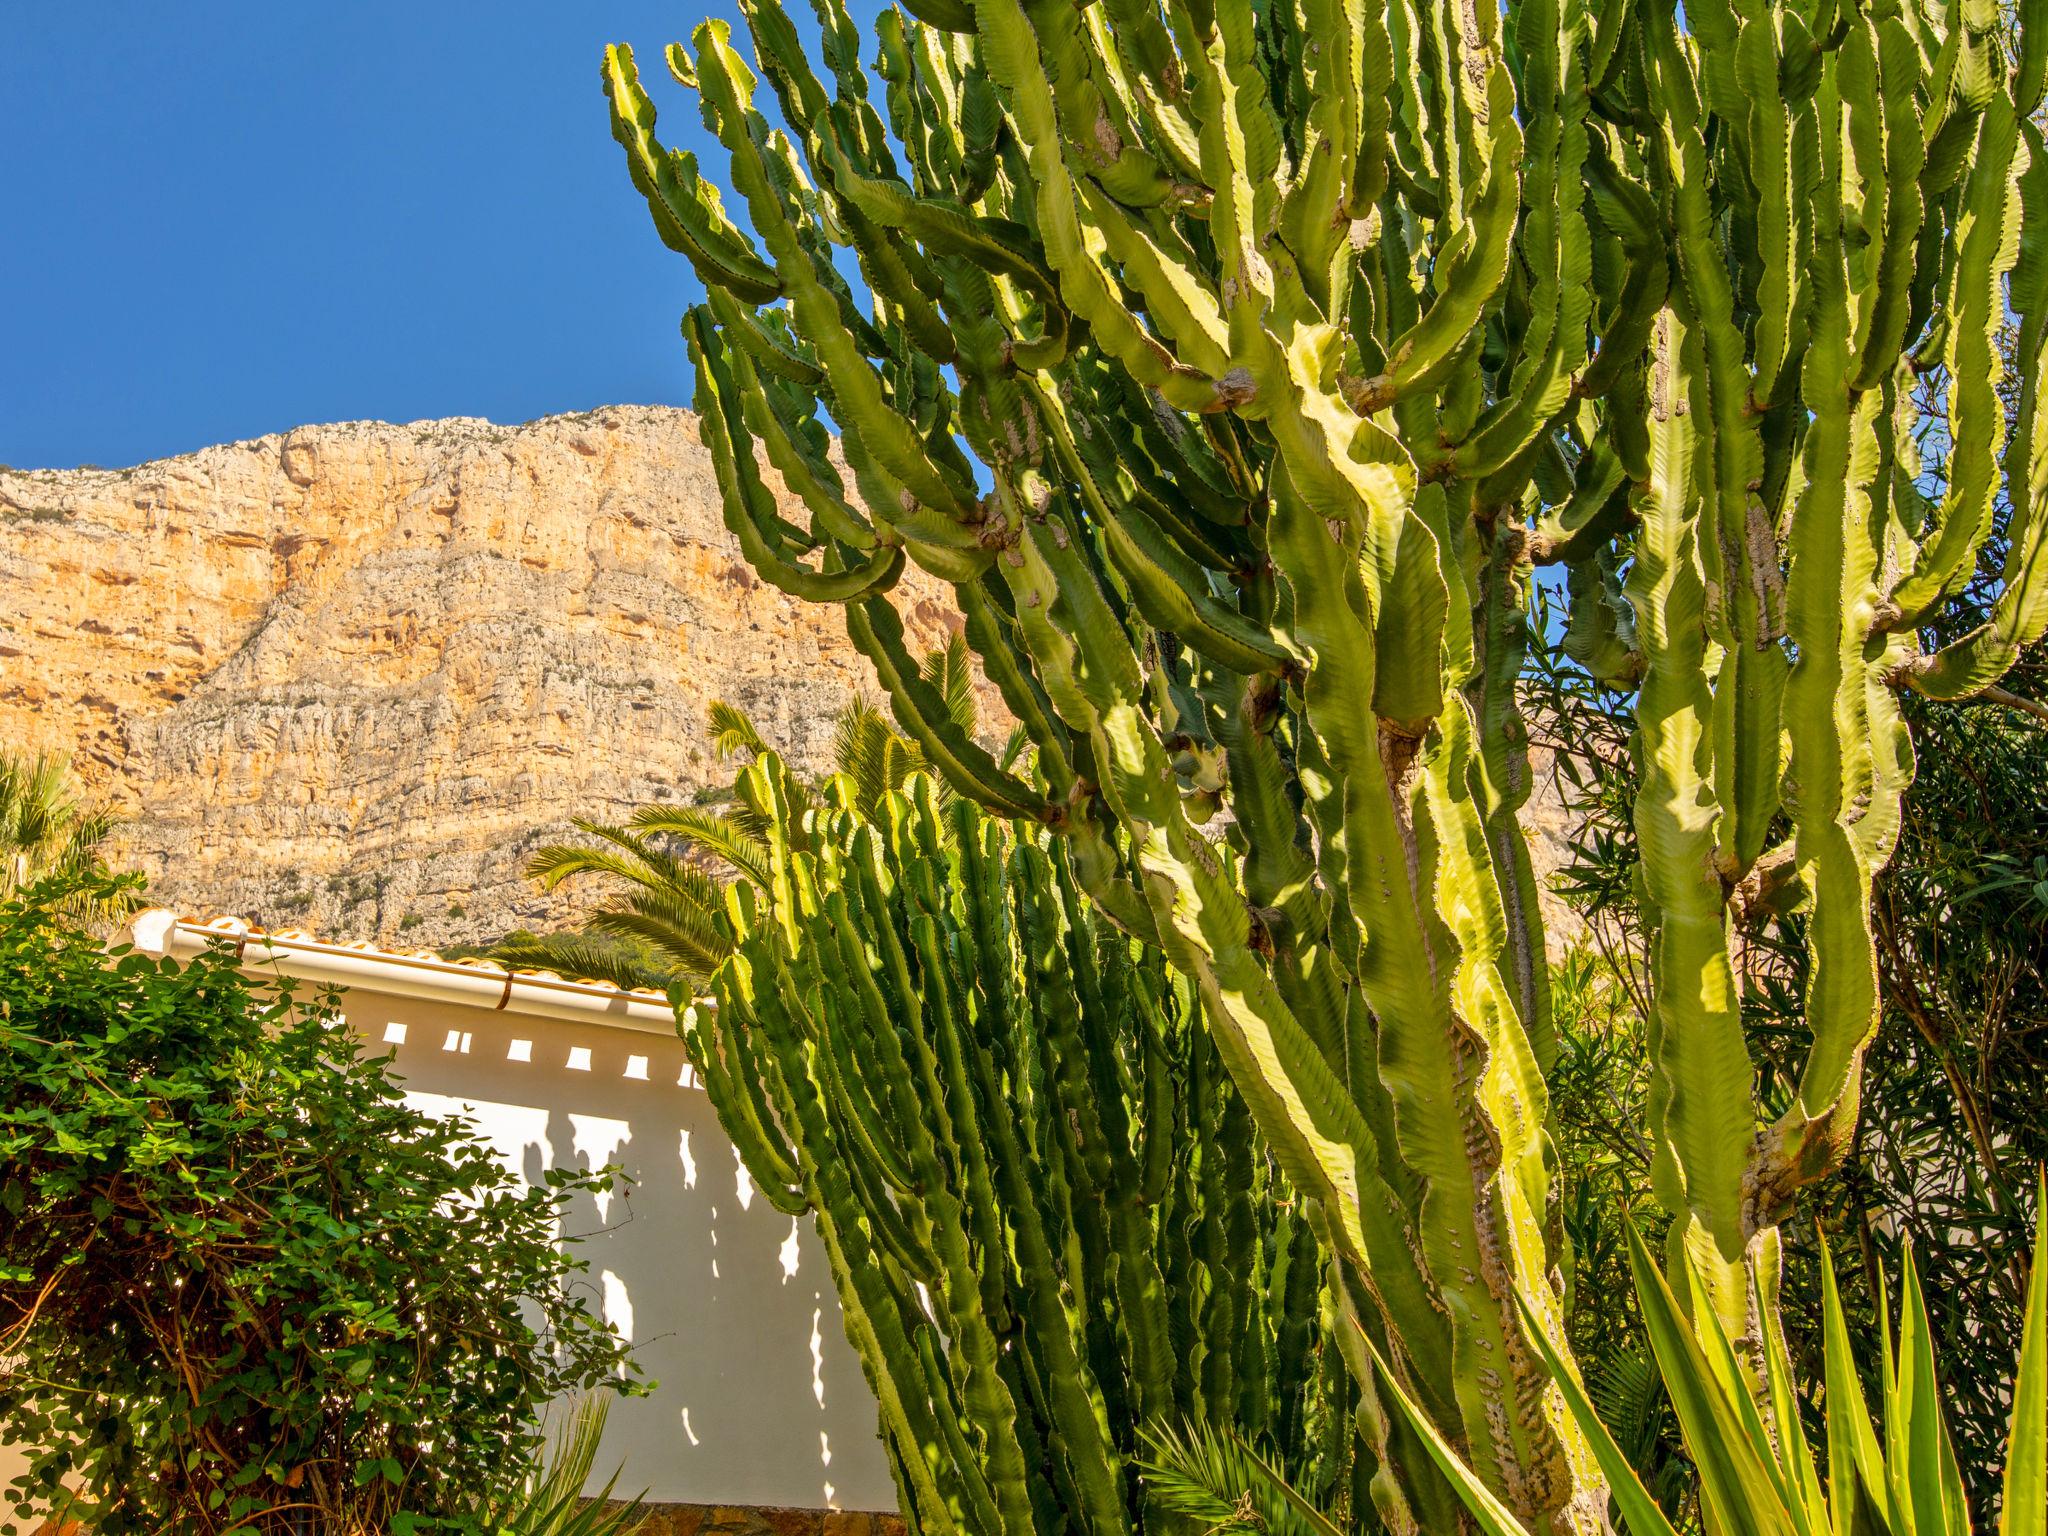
(859, 405)
(1882, 324)
(1473, 268)
(1745, 598)
(1987, 250)
(1010, 50)
(1437, 1005)
(1594, 512)
(847, 1088)
(806, 472)
(1073, 1033)
(749, 508)
(2019, 615)
(1700, 1095)
(988, 629)
(685, 211)
(1500, 788)
(1835, 547)
(1276, 1064)
(942, 1096)
(877, 1315)
(1553, 347)
(715, 1055)
(1169, 588)
(1627, 212)
(956, 231)
(1769, 130)
(993, 1408)
(877, 633)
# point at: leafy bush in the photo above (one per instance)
(241, 1283)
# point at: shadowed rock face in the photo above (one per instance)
(348, 678)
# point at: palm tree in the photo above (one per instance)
(46, 831)
(669, 864)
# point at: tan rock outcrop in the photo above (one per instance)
(349, 677)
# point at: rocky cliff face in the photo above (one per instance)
(348, 678)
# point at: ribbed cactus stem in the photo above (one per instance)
(998, 1112)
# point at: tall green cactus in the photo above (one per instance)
(1039, 1194)
(1240, 362)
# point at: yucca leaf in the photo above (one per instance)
(1922, 1459)
(1736, 1485)
(2025, 1511)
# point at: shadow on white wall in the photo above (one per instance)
(729, 1304)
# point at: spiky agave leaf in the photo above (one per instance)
(551, 1500)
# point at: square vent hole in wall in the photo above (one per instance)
(579, 1058)
(519, 1050)
(394, 1033)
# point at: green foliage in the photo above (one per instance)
(1239, 363)
(241, 1283)
(1892, 1472)
(1225, 1487)
(47, 833)
(1045, 1210)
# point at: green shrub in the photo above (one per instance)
(242, 1284)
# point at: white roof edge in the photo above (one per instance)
(159, 931)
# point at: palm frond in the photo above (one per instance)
(732, 733)
(1213, 1476)
(597, 956)
(691, 940)
(1629, 1395)
(875, 758)
(951, 672)
(715, 832)
(46, 832)
(556, 862)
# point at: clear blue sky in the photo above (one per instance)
(225, 219)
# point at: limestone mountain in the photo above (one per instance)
(348, 677)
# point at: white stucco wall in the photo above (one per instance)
(728, 1304)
